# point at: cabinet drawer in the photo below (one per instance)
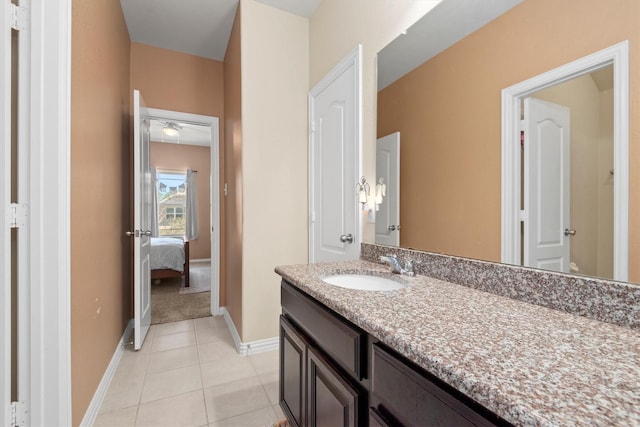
(415, 399)
(343, 341)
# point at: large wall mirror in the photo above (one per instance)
(447, 106)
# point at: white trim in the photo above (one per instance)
(214, 186)
(5, 209)
(353, 59)
(199, 260)
(100, 393)
(252, 347)
(50, 213)
(618, 55)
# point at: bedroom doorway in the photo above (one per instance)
(197, 138)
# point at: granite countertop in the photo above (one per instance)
(529, 364)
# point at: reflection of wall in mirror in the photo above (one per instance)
(448, 111)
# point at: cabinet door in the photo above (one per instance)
(293, 356)
(332, 401)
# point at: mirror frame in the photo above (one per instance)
(618, 55)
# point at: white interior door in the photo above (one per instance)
(388, 174)
(334, 110)
(546, 180)
(141, 221)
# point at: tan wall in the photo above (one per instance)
(180, 158)
(177, 81)
(233, 174)
(335, 29)
(275, 84)
(460, 91)
(100, 193)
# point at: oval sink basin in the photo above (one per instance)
(363, 282)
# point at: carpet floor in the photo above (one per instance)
(169, 304)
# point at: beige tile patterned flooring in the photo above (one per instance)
(189, 374)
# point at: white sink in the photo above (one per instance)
(364, 282)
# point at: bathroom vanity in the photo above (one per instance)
(440, 353)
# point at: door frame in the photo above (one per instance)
(46, 120)
(214, 187)
(352, 59)
(616, 55)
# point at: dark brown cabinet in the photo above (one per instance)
(293, 363)
(312, 391)
(408, 397)
(322, 362)
(333, 373)
(332, 400)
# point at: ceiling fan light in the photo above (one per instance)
(170, 129)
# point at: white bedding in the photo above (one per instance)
(167, 252)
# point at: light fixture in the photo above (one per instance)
(171, 129)
(381, 192)
(363, 191)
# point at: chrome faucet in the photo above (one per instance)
(397, 267)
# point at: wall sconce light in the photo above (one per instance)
(364, 190)
(381, 192)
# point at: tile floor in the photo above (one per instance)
(189, 374)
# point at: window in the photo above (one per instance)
(172, 203)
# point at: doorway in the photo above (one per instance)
(513, 213)
(197, 137)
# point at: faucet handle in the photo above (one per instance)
(409, 268)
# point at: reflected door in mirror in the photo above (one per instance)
(388, 190)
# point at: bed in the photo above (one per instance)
(169, 258)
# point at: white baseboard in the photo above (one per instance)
(98, 397)
(195, 261)
(248, 348)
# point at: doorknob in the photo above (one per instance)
(569, 232)
(134, 233)
(391, 228)
(146, 233)
(346, 238)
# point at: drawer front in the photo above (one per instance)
(345, 343)
(415, 400)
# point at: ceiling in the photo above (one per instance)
(196, 27)
(188, 133)
(444, 25)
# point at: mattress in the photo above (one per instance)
(167, 252)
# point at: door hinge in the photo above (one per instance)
(18, 413)
(523, 215)
(19, 17)
(18, 215)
